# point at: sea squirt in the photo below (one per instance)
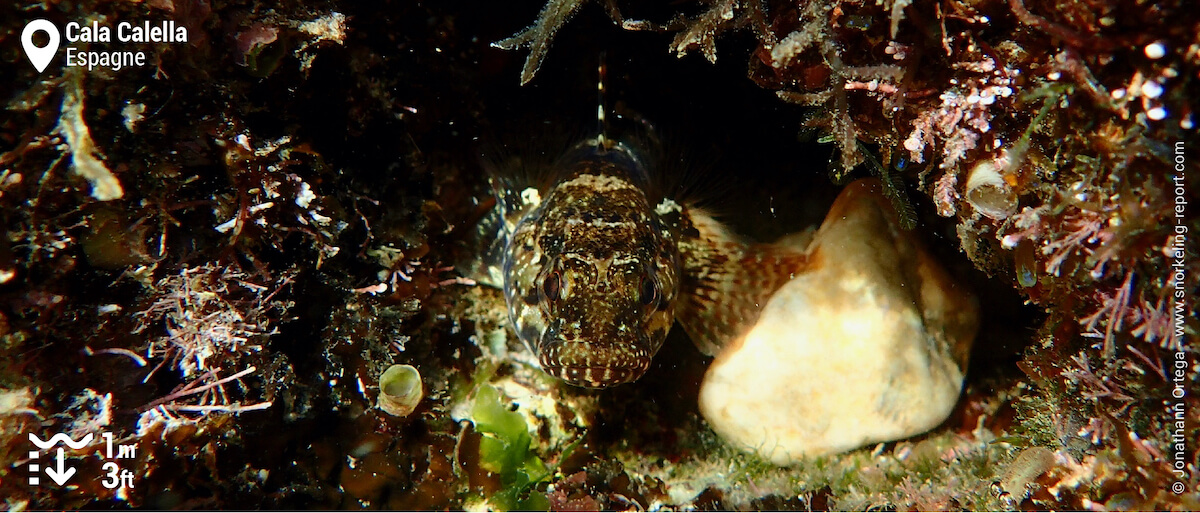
(400, 390)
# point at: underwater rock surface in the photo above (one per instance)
(869, 346)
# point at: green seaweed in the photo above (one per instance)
(504, 450)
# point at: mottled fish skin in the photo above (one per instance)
(726, 281)
(591, 271)
(594, 274)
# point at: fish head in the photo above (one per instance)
(592, 282)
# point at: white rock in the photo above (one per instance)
(868, 346)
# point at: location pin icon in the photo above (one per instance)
(40, 57)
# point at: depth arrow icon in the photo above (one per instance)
(61, 475)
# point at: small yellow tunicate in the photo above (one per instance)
(989, 192)
(400, 390)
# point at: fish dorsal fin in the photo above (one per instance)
(601, 121)
(603, 141)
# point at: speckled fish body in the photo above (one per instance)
(591, 268)
(595, 270)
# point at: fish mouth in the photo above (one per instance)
(591, 366)
(595, 377)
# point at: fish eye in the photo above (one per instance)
(552, 285)
(649, 291)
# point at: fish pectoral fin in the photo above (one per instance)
(727, 282)
(486, 246)
(711, 344)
